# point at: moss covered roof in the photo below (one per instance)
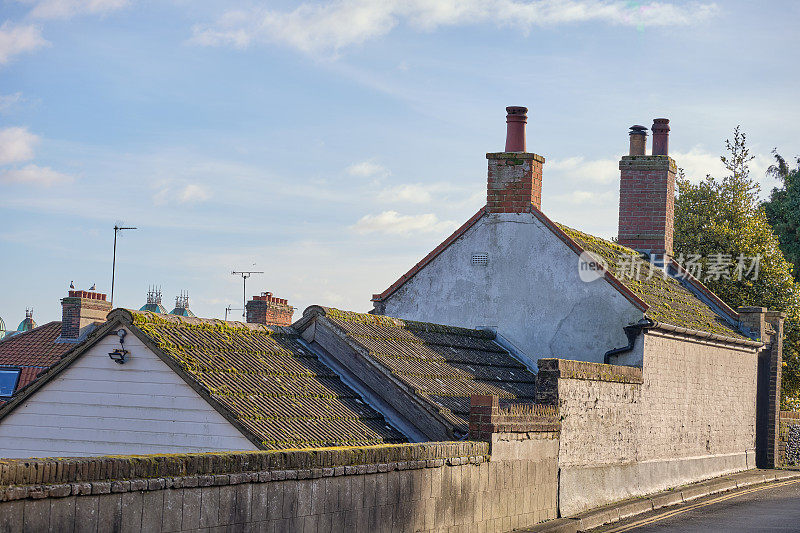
(668, 299)
(443, 364)
(268, 381)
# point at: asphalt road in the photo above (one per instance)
(771, 509)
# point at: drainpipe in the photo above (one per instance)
(632, 332)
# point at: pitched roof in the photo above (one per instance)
(36, 347)
(267, 380)
(688, 303)
(668, 300)
(443, 365)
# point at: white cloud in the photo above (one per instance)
(15, 40)
(368, 169)
(578, 169)
(192, 194)
(698, 163)
(188, 194)
(16, 144)
(330, 27)
(587, 197)
(50, 9)
(34, 175)
(420, 193)
(393, 223)
(415, 194)
(8, 101)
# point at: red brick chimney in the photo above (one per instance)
(647, 192)
(269, 310)
(80, 309)
(515, 176)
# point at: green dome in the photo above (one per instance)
(26, 325)
(182, 305)
(154, 308)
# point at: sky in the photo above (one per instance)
(332, 145)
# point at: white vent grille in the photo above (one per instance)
(480, 259)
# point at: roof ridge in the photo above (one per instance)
(149, 317)
(21, 334)
(392, 322)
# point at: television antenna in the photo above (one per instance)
(117, 229)
(245, 274)
(229, 309)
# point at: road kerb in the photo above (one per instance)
(619, 511)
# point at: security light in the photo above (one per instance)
(120, 354)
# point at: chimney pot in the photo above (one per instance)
(515, 132)
(638, 140)
(661, 136)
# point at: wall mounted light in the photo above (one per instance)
(120, 354)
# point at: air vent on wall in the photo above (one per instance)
(480, 259)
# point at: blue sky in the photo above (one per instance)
(333, 144)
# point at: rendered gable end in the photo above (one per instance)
(99, 407)
(529, 289)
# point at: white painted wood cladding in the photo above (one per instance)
(99, 407)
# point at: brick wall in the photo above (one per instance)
(789, 439)
(647, 203)
(515, 182)
(455, 486)
(487, 419)
(270, 310)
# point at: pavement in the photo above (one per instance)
(771, 507)
(681, 507)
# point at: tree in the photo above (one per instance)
(722, 219)
(783, 210)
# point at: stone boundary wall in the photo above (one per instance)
(551, 370)
(629, 431)
(452, 486)
(789, 439)
(81, 469)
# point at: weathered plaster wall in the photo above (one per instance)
(530, 290)
(422, 487)
(691, 417)
(97, 406)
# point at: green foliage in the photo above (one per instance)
(724, 216)
(783, 210)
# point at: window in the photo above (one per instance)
(8, 380)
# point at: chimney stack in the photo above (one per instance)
(270, 310)
(515, 176)
(647, 192)
(81, 309)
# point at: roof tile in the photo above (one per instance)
(269, 381)
(444, 364)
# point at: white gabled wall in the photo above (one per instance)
(530, 290)
(99, 407)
